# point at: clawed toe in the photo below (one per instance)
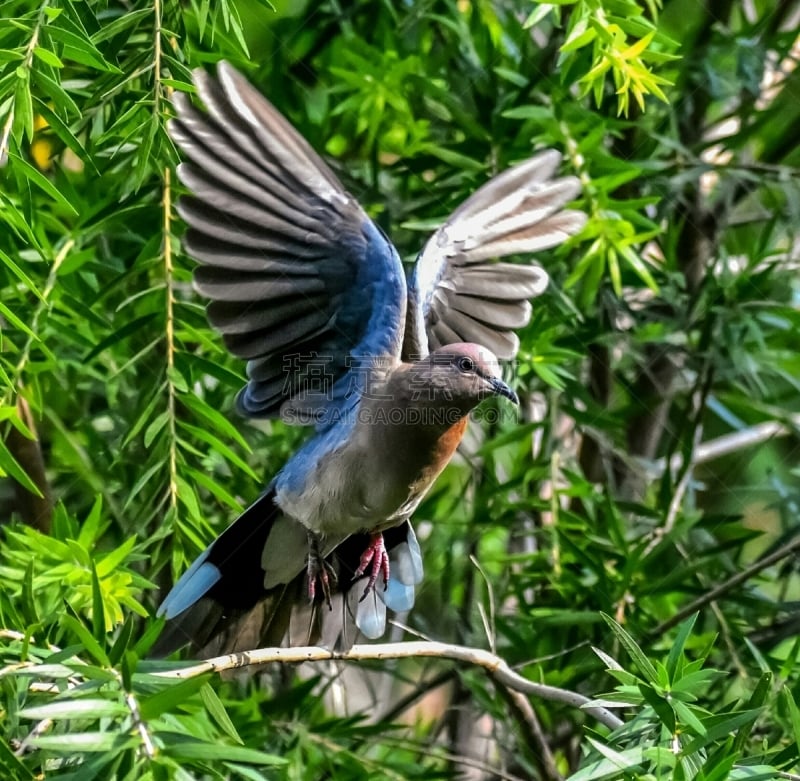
(320, 572)
(376, 560)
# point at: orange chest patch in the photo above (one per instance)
(443, 451)
(449, 441)
(440, 455)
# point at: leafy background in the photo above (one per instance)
(631, 537)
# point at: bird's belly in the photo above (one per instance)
(367, 488)
(339, 502)
(336, 505)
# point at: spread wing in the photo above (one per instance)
(301, 283)
(457, 292)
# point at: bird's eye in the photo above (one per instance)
(465, 364)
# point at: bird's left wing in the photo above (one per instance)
(458, 293)
(301, 283)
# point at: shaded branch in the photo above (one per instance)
(731, 443)
(495, 666)
(728, 585)
(34, 510)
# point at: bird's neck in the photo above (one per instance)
(410, 436)
(409, 397)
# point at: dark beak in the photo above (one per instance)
(499, 388)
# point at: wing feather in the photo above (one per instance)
(295, 271)
(457, 290)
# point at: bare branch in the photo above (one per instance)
(728, 585)
(497, 668)
(733, 442)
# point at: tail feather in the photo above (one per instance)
(220, 605)
(223, 584)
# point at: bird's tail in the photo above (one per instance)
(221, 604)
(226, 582)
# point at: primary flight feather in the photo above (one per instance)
(305, 287)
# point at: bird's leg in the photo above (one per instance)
(319, 570)
(376, 559)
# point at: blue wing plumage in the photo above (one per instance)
(301, 282)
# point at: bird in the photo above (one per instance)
(384, 367)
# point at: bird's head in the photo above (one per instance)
(465, 374)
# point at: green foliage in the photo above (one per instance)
(66, 566)
(651, 477)
(623, 42)
(672, 734)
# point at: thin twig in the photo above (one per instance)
(686, 469)
(728, 585)
(169, 274)
(38, 729)
(27, 60)
(139, 723)
(732, 443)
(529, 721)
(497, 668)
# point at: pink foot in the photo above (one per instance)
(319, 571)
(376, 559)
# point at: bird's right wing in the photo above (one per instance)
(458, 292)
(301, 283)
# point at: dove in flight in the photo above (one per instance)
(311, 293)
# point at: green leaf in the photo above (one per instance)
(172, 696)
(718, 727)
(636, 653)
(688, 717)
(217, 711)
(10, 765)
(794, 714)
(220, 447)
(54, 122)
(676, 651)
(455, 159)
(80, 49)
(48, 57)
(757, 700)
(42, 182)
(82, 741)
(10, 466)
(217, 421)
(126, 22)
(580, 36)
(88, 708)
(219, 751)
(155, 428)
(98, 613)
(119, 335)
(23, 107)
(188, 497)
(89, 643)
(660, 705)
(20, 274)
(540, 114)
(612, 763)
(90, 528)
(539, 13)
